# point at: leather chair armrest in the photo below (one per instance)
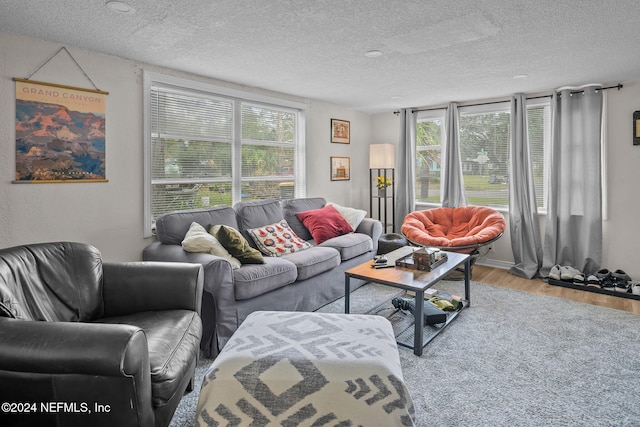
(149, 286)
(72, 348)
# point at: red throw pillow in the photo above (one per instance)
(324, 223)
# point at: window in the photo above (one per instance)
(484, 151)
(484, 146)
(429, 138)
(539, 128)
(209, 146)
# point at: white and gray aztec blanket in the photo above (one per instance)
(307, 369)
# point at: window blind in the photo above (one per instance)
(216, 146)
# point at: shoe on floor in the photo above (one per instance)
(621, 281)
(593, 282)
(603, 274)
(606, 279)
(568, 273)
(620, 276)
(578, 279)
(554, 273)
(621, 287)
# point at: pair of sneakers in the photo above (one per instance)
(566, 273)
(614, 281)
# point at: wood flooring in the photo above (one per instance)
(502, 278)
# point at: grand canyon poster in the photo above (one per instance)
(60, 133)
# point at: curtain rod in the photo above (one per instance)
(618, 86)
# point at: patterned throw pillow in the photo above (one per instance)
(277, 239)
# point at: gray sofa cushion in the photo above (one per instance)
(314, 261)
(349, 245)
(172, 227)
(252, 280)
(257, 213)
(291, 207)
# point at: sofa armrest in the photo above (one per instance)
(217, 269)
(148, 286)
(72, 348)
(372, 228)
(157, 251)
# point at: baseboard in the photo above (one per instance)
(495, 263)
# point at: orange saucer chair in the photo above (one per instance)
(462, 229)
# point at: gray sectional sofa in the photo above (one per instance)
(300, 281)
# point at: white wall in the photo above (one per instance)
(110, 215)
(107, 215)
(621, 231)
(353, 192)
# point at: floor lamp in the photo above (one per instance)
(382, 163)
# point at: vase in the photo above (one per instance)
(382, 192)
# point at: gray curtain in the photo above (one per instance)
(523, 210)
(573, 232)
(405, 175)
(452, 184)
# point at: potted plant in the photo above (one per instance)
(382, 184)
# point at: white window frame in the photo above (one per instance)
(430, 115)
(535, 103)
(206, 89)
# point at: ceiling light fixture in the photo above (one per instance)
(120, 7)
(373, 53)
(520, 76)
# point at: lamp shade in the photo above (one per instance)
(382, 156)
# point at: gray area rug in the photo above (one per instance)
(513, 359)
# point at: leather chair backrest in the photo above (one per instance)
(59, 281)
(172, 227)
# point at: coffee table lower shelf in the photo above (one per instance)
(417, 282)
(403, 322)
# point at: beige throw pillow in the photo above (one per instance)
(353, 216)
(198, 239)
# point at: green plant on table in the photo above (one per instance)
(383, 182)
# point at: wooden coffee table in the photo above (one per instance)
(417, 282)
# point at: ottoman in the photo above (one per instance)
(294, 368)
(391, 242)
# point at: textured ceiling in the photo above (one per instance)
(434, 51)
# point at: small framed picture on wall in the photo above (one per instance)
(340, 131)
(340, 168)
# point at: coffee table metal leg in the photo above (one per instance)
(467, 280)
(418, 323)
(347, 294)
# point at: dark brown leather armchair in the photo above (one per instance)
(87, 343)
